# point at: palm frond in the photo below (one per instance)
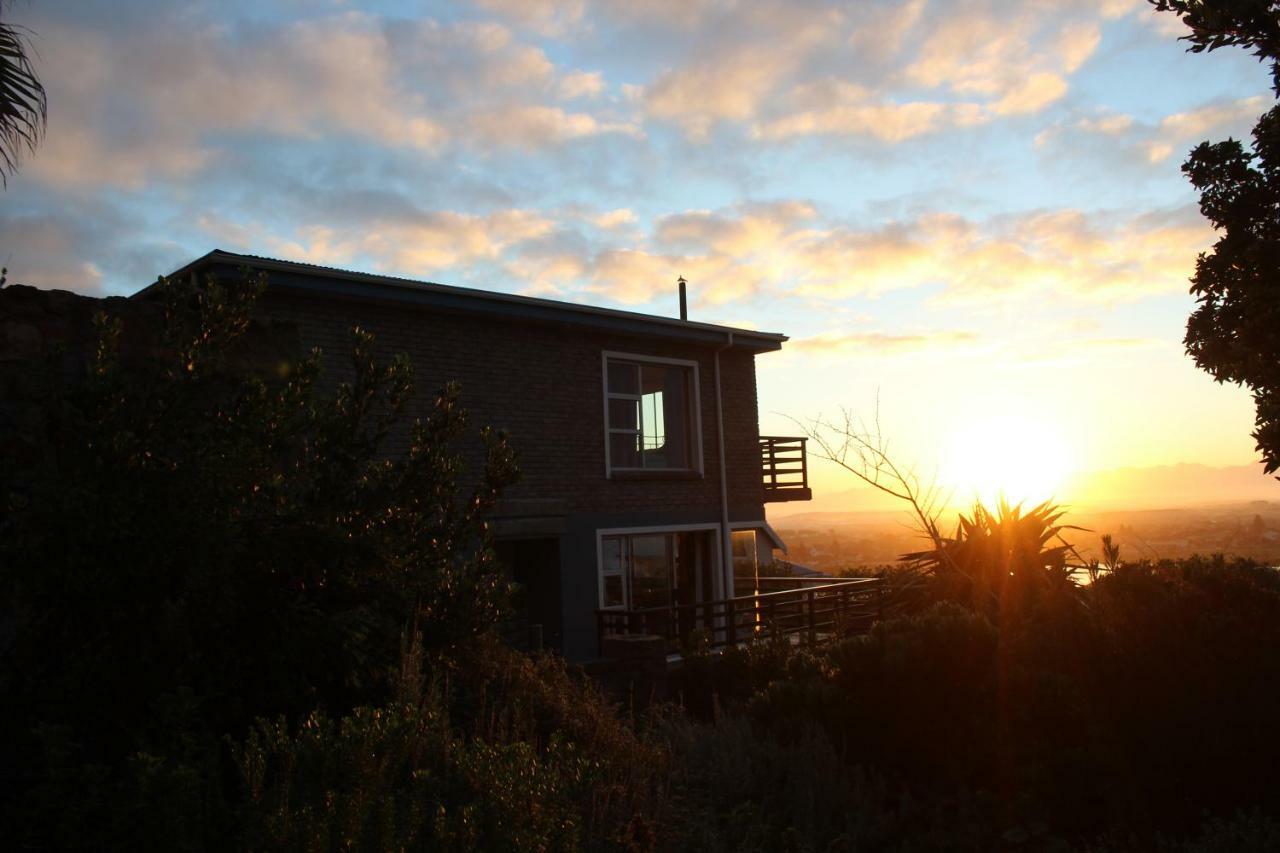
(24, 107)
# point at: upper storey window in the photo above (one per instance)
(651, 414)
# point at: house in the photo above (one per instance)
(644, 477)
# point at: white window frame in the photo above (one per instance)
(713, 554)
(695, 443)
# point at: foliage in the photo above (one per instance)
(1252, 24)
(23, 105)
(206, 538)
(1000, 563)
(1132, 711)
(543, 764)
(1234, 332)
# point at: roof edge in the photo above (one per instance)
(764, 341)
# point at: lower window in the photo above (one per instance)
(642, 570)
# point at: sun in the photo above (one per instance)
(1015, 455)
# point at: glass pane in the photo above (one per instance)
(624, 414)
(624, 449)
(655, 426)
(613, 591)
(744, 555)
(650, 571)
(624, 378)
(612, 554)
(665, 416)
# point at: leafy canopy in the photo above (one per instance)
(1234, 332)
(205, 529)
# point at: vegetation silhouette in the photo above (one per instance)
(234, 621)
(24, 105)
(202, 537)
(1002, 559)
(1234, 332)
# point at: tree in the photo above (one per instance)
(23, 106)
(1234, 332)
(200, 536)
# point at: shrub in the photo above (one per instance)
(514, 755)
(204, 538)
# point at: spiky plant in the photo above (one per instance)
(1000, 561)
(23, 106)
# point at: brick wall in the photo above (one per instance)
(542, 383)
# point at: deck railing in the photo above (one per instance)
(785, 466)
(813, 612)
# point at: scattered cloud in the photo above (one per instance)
(839, 108)
(532, 127)
(1182, 128)
(882, 343)
(729, 81)
(581, 84)
(785, 248)
(616, 218)
(132, 107)
(421, 244)
(44, 252)
(549, 17)
(1154, 143)
(1017, 62)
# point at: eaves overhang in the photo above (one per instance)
(331, 283)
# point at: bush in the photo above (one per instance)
(203, 538)
(513, 755)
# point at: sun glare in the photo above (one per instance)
(1015, 456)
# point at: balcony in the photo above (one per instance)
(786, 469)
(809, 610)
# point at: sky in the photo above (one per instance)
(968, 214)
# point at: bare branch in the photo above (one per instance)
(863, 451)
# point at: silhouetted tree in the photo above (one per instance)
(23, 106)
(203, 537)
(1234, 333)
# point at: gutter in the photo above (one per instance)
(726, 540)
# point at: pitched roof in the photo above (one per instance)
(346, 284)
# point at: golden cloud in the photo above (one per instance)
(882, 342)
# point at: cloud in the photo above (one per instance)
(173, 96)
(1153, 144)
(86, 249)
(1031, 95)
(744, 231)
(581, 84)
(531, 127)
(549, 17)
(45, 253)
(639, 276)
(1017, 61)
(882, 343)
(611, 219)
(732, 73)
(148, 103)
(420, 244)
(839, 108)
(1210, 119)
(890, 72)
(788, 249)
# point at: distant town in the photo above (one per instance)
(832, 541)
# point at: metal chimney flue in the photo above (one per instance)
(684, 304)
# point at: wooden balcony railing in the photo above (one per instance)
(814, 612)
(785, 466)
